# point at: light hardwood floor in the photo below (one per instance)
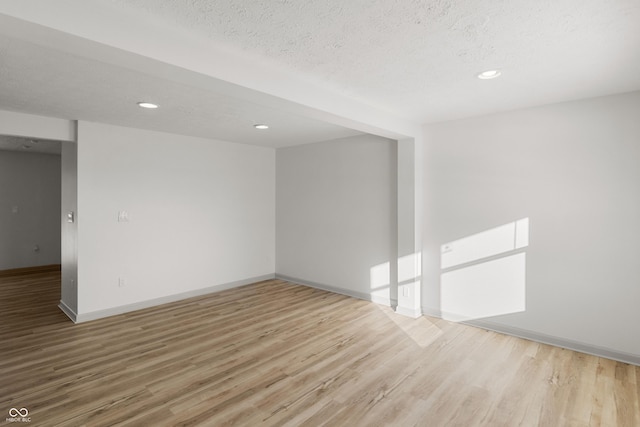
(275, 353)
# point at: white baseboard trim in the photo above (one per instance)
(581, 347)
(433, 312)
(68, 311)
(558, 342)
(348, 292)
(99, 314)
(409, 312)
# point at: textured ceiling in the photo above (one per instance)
(29, 145)
(419, 58)
(48, 82)
(313, 70)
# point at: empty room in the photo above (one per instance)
(300, 212)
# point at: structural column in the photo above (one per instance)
(409, 228)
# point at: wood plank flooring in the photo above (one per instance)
(278, 354)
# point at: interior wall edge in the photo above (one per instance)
(336, 290)
(68, 311)
(36, 126)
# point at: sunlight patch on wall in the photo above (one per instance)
(485, 277)
(513, 235)
(409, 268)
(380, 280)
(484, 290)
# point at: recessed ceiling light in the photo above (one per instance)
(489, 74)
(147, 105)
(261, 126)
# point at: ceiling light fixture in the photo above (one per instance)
(261, 126)
(147, 105)
(489, 74)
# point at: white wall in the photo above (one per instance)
(31, 126)
(201, 214)
(574, 170)
(336, 214)
(29, 209)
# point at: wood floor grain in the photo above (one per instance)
(279, 354)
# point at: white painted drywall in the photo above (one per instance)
(29, 209)
(336, 214)
(141, 44)
(32, 126)
(201, 213)
(69, 230)
(408, 190)
(574, 170)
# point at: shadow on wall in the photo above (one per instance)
(484, 275)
